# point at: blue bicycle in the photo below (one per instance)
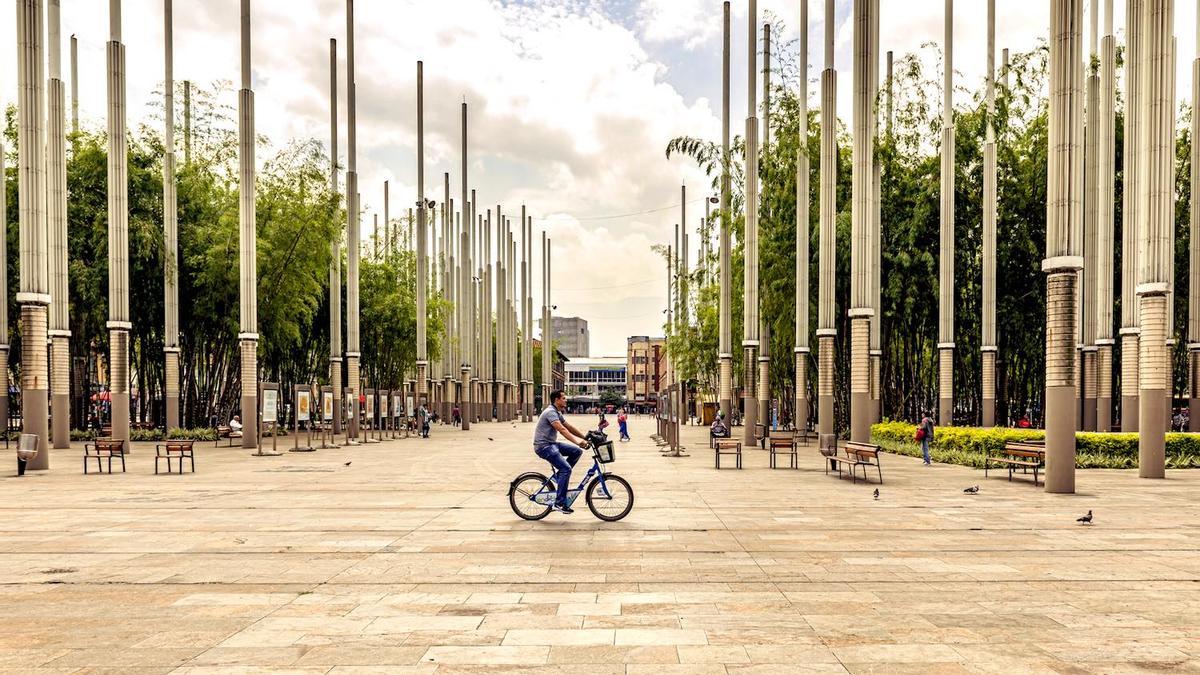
(609, 497)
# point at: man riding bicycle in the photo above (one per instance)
(561, 455)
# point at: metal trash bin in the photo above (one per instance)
(27, 449)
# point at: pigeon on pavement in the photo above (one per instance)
(1086, 520)
(346, 464)
(876, 493)
(490, 439)
(973, 490)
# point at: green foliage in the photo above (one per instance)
(82, 435)
(200, 434)
(968, 445)
(143, 435)
(297, 218)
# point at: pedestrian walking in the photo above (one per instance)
(623, 425)
(925, 436)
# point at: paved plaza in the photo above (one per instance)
(409, 560)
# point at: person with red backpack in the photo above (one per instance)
(924, 435)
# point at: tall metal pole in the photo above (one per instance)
(803, 196)
(56, 206)
(422, 245)
(530, 412)
(449, 238)
(750, 276)
(353, 343)
(827, 243)
(1091, 212)
(74, 85)
(34, 295)
(1156, 218)
(1063, 260)
(946, 239)
(335, 251)
(247, 242)
(170, 228)
(547, 339)
(1105, 244)
(875, 406)
(990, 344)
(524, 337)
(764, 326)
(725, 339)
(118, 230)
(466, 292)
(1193, 333)
(1131, 215)
(862, 213)
(4, 346)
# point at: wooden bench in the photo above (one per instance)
(174, 450)
(783, 443)
(101, 449)
(1023, 455)
(857, 455)
(728, 446)
(224, 431)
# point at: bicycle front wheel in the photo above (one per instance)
(527, 495)
(610, 500)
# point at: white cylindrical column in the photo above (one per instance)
(170, 227)
(247, 244)
(56, 207)
(1063, 260)
(725, 338)
(353, 233)
(946, 227)
(802, 348)
(827, 238)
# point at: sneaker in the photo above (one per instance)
(563, 508)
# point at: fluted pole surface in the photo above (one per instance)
(1193, 326)
(170, 228)
(353, 244)
(1105, 243)
(56, 206)
(335, 251)
(750, 324)
(827, 238)
(247, 243)
(1156, 197)
(725, 330)
(946, 234)
(118, 230)
(862, 216)
(1131, 209)
(801, 350)
(990, 344)
(422, 245)
(34, 295)
(1064, 201)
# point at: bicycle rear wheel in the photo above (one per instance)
(611, 500)
(522, 492)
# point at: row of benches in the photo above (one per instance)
(1023, 456)
(108, 449)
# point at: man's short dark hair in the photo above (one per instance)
(555, 394)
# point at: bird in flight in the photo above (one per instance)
(1086, 520)
(973, 490)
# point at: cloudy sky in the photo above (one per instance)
(571, 102)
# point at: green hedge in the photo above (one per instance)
(967, 445)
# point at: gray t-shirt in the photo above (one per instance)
(545, 433)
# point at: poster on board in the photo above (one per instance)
(397, 405)
(371, 405)
(270, 406)
(327, 407)
(303, 404)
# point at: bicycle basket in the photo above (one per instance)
(605, 452)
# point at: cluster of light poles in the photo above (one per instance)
(464, 271)
(1079, 247)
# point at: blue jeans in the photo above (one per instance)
(562, 456)
(925, 448)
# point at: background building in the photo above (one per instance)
(646, 371)
(589, 379)
(571, 336)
